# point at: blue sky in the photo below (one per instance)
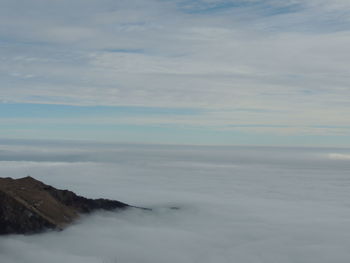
(222, 72)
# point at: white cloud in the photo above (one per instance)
(150, 53)
(237, 204)
(339, 156)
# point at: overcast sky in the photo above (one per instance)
(259, 72)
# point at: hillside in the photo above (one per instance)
(30, 206)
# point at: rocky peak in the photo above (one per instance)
(29, 206)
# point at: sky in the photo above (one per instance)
(212, 72)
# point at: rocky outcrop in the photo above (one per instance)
(30, 206)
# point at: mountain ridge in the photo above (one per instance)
(30, 206)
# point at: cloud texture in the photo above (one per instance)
(241, 204)
(288, 61)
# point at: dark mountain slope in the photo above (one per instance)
(30, 206)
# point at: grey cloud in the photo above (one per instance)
(237, 204)
(58, 52)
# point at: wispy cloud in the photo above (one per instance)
(288, 58)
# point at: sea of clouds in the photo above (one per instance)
(237, 204)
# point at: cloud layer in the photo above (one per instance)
(237, 204)
(287, 61)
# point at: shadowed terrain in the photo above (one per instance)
(30, 206)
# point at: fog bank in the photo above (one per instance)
(237, 204)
